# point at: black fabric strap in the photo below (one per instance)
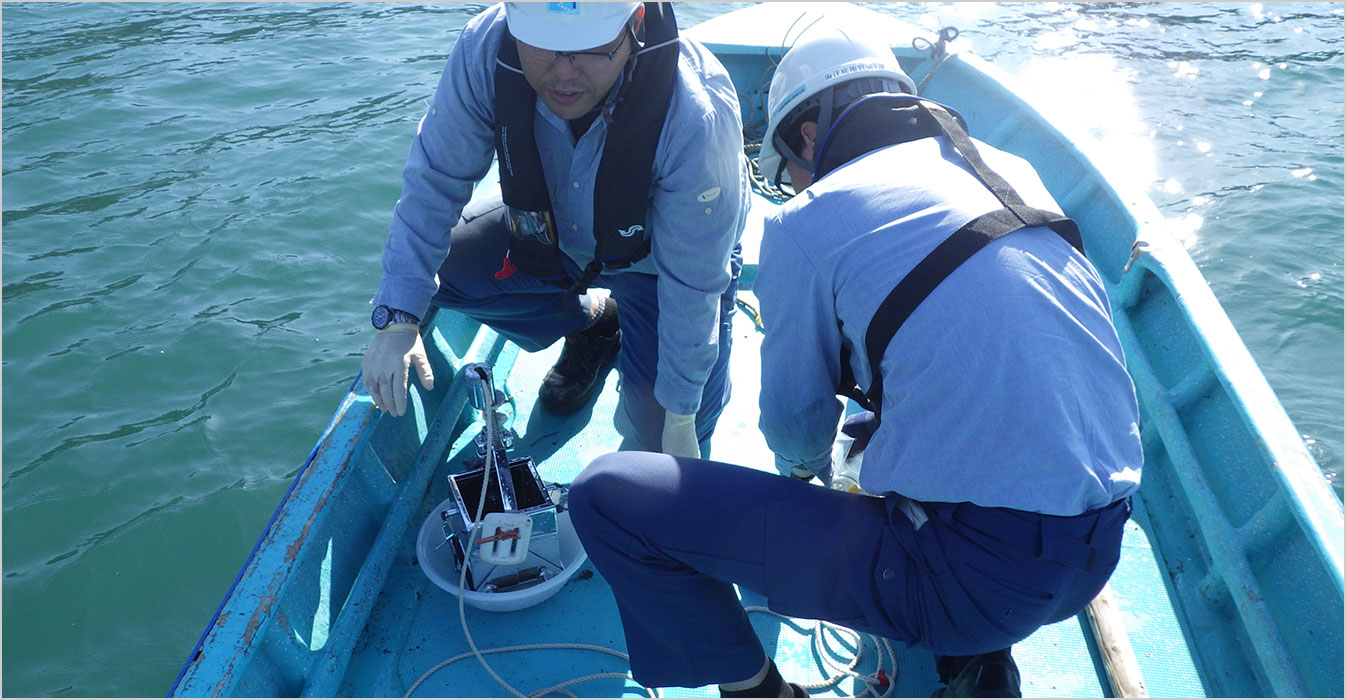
(622, 186)
(586, 278)
(913, 289)
(521, 182)
(998, 186)
(1002, 190)
(625, 172)
(871, 123)
(898, 306)
(522, 186)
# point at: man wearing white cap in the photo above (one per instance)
(619, 149)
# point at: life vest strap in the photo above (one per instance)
(634, 115)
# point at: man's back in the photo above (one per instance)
(1006, 387)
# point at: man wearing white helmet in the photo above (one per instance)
(934, 271)
(619, 149)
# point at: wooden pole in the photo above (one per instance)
(1119, 660)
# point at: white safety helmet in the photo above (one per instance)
(826, 56)
(567, 26)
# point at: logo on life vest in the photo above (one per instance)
(629, 232)
(563, 8)
(504, 148)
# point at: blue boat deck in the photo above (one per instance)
(415, 625)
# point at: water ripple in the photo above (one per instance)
(168, 418)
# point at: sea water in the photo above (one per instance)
(195, 198)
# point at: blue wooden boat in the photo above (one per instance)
(1231, 576)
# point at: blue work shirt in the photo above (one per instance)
(699, 196)
(1006, 387)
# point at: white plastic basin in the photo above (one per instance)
(439, 566)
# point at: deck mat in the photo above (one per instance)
(1160, 645)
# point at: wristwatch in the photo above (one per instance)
(385, 316)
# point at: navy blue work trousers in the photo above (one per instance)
(534, 314)
(671, 535)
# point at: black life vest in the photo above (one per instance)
(884, 120)
(635, 116)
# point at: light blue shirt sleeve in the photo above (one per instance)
(801, 354)
(700, 204)
(452, 150)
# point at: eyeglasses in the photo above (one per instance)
(593, 58)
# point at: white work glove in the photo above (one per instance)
(803, 473)
(680, 435)
(387, 362)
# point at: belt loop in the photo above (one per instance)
(1047, 539)
(945, 512)
(931, 540)
(1078, 553)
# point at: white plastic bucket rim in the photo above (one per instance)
(439, 565)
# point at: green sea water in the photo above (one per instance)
(195, 197)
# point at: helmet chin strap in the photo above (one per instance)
(780, 169)
(826, 102)
(823, 100)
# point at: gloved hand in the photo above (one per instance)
(680, 435)
(391, 354)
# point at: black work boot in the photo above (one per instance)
(989, 675)
(570, 383)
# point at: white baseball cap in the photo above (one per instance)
(567, 26)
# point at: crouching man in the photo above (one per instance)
(1002, 447)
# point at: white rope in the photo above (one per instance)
(560, 687)
(818, 642)
(532, 647)
(819, 628)
(462, 618)
(489, 467)
(836, 669)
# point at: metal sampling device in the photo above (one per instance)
(510, 542)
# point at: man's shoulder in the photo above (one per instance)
(484, 30)
(699, 60)
(798, 223)
(701, 78)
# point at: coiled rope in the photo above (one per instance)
(873, 682)
(880, 684)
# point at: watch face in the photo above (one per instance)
(382, 315)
